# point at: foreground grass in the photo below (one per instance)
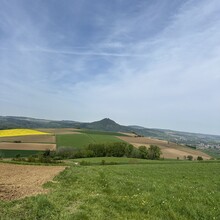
(155, 190)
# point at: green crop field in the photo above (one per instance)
(84, 139)
(101, 132)
(155, 190)
(22, 153)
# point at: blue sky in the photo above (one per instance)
(147, 62)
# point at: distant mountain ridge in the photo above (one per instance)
(106, 124)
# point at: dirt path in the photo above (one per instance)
(19, 181)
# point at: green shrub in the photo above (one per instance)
(190, 157)
(85, 163)
(31, 159)
(154, 152)
(199, 158)
(143, 152)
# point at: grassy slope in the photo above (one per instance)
(215, 153)
(140, 191)
(84, 139)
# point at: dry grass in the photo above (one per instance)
(169, 150)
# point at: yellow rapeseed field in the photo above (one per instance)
(19, 132)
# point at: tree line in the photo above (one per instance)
(119, 149)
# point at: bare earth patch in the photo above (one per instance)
(19, 181)
(30, 139)
(27, 146)
(169, 150)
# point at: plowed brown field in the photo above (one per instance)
(27, 146)
(19, 181)
(169, 150)
(30, 139)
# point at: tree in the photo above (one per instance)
(154, 152)
(190, 157)
(199, 158)
(143, 152)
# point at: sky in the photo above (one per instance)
(151, 63)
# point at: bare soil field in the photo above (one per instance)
(30, 139)
(27, 146)
(59, 130)
(19, 181)
(169, 150)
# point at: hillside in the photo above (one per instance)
(202, 141)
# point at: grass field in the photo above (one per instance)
(155, 190)
(215, 153)
(23, 153)
(101, 132)
(84, 139)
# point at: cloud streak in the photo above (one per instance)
(153, 64)
(84, 53)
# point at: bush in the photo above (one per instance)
(143, 152)
(66, 152)
(46, 153)
(190, 157)
(154, 152)
(31, 159)
(199, 158)
(135, 153)
(111, 150)
(128, 150)
(85, 163)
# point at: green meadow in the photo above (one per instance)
(14, 153)
(85, 138)
(131, 189)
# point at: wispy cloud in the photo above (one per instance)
(151, 63)
(82, 53)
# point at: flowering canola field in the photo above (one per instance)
(19, 132)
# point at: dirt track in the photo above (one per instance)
(27, 146)
(18, 181)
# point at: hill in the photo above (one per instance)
(194, 140)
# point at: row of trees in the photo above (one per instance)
(112, 150)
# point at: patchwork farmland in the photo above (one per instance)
(28, 142)
(25, 142)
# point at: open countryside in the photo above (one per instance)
(25, 142)
(87, 171)
(77, 138)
